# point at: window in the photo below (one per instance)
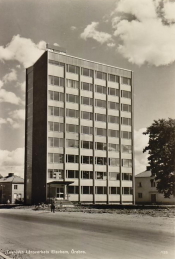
(87, 189)
(55, 126)
(126, 94)
(56, 111)
(100, 132)
(72, 174)
(72, 128)
(55, 142)
(126, 134)
(139, 184)
(100, 175)
(153, 184)
(54, 80)
(140, 195)
(113, 147)
(114, 190)
(101, 190)
(86, 174)
(72, 113)
(126, 149)
(125, 121)
(86, 86)
(72, 159)
(86, 144)
(72, 84)
(72, 98)
(86, 100)
(101, 160)
(87, 159)
(86, 72)
(72, 69)
(113, 133)
(55, 158)
(86, 130)
(87, 115)
(100, 117)
(126, 81)
(100, 75)
(100, 103)
(126, 162)
(55, 173)
(72, 143)
(113, 119)
(56, 96)
(114, 176)
(15, 187)
(113, 91)
(73, 189)
(127, 177)
(127, 190)
(126, 107)
(114, 162)
(113, 105)
(57, 63)
(100, 146)
(100, 89)
(113, 78)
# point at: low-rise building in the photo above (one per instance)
(11, 189)
(146, 191)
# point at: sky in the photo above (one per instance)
(133, 34)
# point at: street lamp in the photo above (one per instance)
(2, 192)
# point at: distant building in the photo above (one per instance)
(79, 130)
(146, 192)
(11, 189)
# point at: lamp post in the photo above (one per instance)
(2, 192)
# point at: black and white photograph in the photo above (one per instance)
(87, 129)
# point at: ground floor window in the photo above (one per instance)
(114, 190)
(101, 190)
(127, 190)
(87, 189)
(73, 189)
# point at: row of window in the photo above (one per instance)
(59, 158)
(89, 73)
(56, 111)
(57, 142)
(99, 190)
(74, 174)
(71, 128)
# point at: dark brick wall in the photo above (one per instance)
(39, 130)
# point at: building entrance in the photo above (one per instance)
(60, 192)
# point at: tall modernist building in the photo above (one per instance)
(79, 130)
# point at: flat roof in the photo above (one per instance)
(95, 62)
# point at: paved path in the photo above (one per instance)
(80, 235)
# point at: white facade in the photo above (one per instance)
(90, 130)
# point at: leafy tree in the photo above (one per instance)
(161, 150)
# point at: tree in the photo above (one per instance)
(161, 150)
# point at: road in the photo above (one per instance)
(41, 234)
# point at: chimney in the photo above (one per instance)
(10, 174)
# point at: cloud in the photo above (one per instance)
(13, 123)
(111, 45)
(1, 84)
(12, 161)
(18, 114)
(169, 11)
(91, 32)
(143, 30)
(140, 142)
(56, 44)
(73, 28)
(12, 76)
(23, 50)
(2, 121)
(9, 97)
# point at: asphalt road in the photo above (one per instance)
(79, 235)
